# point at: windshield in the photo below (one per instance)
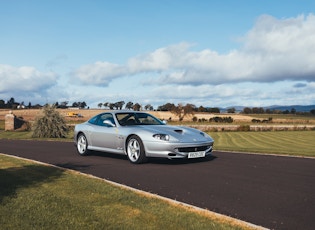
(126, 119)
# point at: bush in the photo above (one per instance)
(50, 125)
(221, 119)
(244, 128)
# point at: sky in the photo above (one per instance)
(211, 53)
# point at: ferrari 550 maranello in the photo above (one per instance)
(140, 135)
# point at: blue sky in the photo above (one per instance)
(211, 53)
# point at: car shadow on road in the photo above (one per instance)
(110, 155)
(181, 161)
(153, 160)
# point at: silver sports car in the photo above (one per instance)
(140, 135)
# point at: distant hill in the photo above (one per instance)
(298, 108)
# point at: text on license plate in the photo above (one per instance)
(196, 154)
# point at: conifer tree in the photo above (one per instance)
(50, 124)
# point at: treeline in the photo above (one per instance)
(260, 110)
(180, 109)
(12, 104)
(120, 104)
(64, 105)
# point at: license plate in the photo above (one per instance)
(196, 154)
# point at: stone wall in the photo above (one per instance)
(9, 122)
(13, 123)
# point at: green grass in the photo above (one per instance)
(300, 143)
(28, 135)
(2, 124)
(35, 196)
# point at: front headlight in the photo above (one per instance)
(163, 137)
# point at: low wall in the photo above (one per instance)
(13, 123)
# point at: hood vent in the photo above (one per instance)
(180, 131)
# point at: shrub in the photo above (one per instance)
(221, 119)
(243, 128)
(50, 125)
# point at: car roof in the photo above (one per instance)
(125, 111)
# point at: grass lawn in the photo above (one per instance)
(36, 196)
(299, 143)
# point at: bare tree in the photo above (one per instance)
(183, 110)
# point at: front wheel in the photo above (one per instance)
(135, 150)
(82, 145)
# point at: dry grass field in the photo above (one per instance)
(239, 119)
(30, 114)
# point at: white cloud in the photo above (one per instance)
(284, 48)
(273, 50)
(99, 73)
(25, 79)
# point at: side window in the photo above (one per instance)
(106, 116)
(93, 120)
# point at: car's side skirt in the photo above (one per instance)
(108, 150)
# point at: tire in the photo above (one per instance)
(135, 150)
(82, 145)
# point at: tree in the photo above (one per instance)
(50, 124)
(167, 107)
(100, 105)
(106, 104)
(10, 103)
(119, 104)
(129, 105)
(111, 105)
(137, 107)
(75, 104)
(148, 107)
(183, 110)
(231, 110)
(258, 110)
(2, 103)
(247, 110)
(214, 110)
(202, 109)
(64, 104)
(82, 104)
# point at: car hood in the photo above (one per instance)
(178, 133)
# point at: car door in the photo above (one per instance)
(103, 135)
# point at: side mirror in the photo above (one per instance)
(109, 123)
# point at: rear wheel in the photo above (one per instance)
(135, 150)
(82, 145)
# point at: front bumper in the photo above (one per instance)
(176, 150)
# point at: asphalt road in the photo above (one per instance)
(273, 192)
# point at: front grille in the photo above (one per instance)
(194, 149)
